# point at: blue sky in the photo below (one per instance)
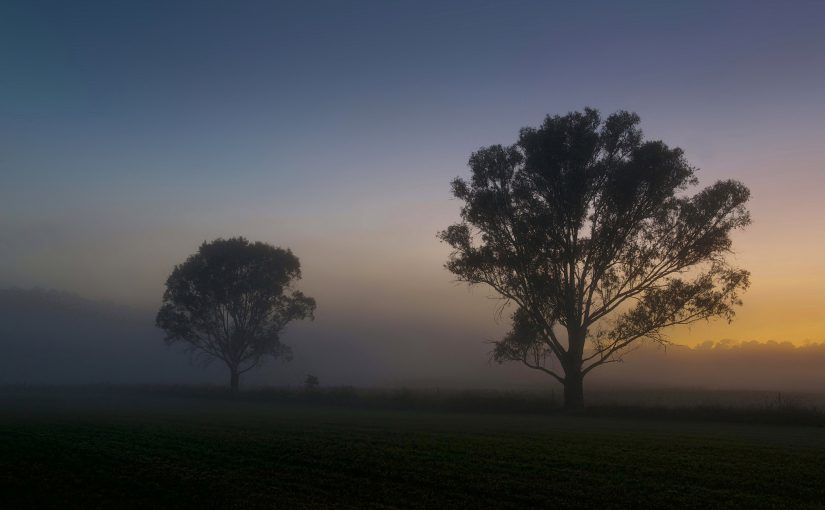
(130, 132)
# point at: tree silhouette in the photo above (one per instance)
(311, 383)
(231, 301)
(589, 232)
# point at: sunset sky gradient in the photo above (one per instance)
(130, 132)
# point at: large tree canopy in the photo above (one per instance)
(591, 233)
(231, 301)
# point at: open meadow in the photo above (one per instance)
(128, 448)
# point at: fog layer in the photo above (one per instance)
(49, 337)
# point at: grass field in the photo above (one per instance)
(149, 450)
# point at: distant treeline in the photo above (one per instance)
(769, 408)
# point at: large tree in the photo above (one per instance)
(590, 232)
(231, 301)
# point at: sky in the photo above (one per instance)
(131, 132)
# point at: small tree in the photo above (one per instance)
(311, 383)
(587, 229)
(231, 301)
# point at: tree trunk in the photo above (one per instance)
(234, 379)
(573, 390)
(573, 377)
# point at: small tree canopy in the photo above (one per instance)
(590, 231)
(231, 301)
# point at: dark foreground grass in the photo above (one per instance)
(151, 451)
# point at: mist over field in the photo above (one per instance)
(420, 254)
(49, 337)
